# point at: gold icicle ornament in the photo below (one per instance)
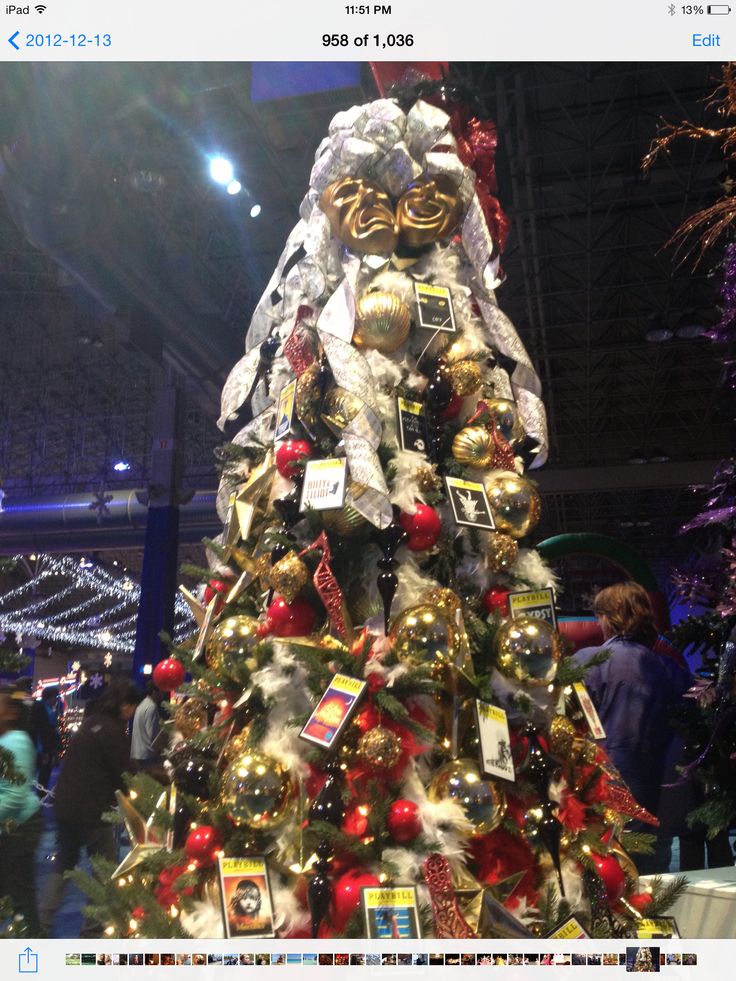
(382, 322)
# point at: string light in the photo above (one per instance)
(67, 602)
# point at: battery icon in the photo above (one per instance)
(719, 8)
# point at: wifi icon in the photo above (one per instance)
(39, 9)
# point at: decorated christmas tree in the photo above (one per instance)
(377, 739)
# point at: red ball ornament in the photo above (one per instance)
(640, 901)
(403, 821)
(496, 601)
(290, 456)
(453, 409)
(202, 844)
(356, 820)
(346, 895)
(423, 527)
(612, 875)
(295, 619)
(214, 588)
(169, 674)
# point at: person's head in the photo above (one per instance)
(154, 693)
(11, 707)
(118, 700)
(625, 610)
(247, 898)
(50, 695)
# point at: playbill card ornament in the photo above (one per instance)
(390, 914)
(588, 709)
(324, 485)
(333, 710)
(247, 909)
(569, 930)
(469, 502)
(284, 411)
(494, 741)
(434, 307)
(538, 603)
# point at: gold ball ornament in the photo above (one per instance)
(528, 650)
(256, 792)
(382, 322)
(445, 600)
(506, 418)
(380, 747)
(501, 552)
(339, 408)
(289, 576)
(466, 377)
(307, 396)
(515, 504)
(361, 215)
(561, 737)
(474, 446)
(429, 210)
(190, 717)
(482, 800)
(425, 635)
(232, 643)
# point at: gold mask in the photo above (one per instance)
(428, 210)
(361, 215)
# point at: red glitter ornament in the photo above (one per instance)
(295, 619)
(356, 820)
(169, 674)
(290, 456)
(423, 527)
(403, 821)
(346, 895)
(612, 875)
(202, 844)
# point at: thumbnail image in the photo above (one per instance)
(168, 960)
(73, 960)
(674, 958)
(563, 959)
(467, 960)
(690, 960)
(183, 960)
(403, 960)
(310, 960)
(388, 959)
(500, 959)
(342, 960)
(642, 959)
(372, 960)
(419, 959)
(229, 960)
(262, 959)
(104, 960)
(517, 959)
(610, 959)
(436, 960)
(531, 959)
(217, 959)
(134, 960)
(293, 958)
(578, 959)
(90, 960)
(325, 959)
(121, 960)
(248, 959)
(594, 959)
(153, 960)
(199, 959)
(484, 959)
(546, 960)
(452, 960)
(357, 960)
(278, 959)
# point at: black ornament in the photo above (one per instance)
(319, 890)
(437, 396)
(328, 804)
(182, 819)
(544, 825)
(389, 540)
(192, 771)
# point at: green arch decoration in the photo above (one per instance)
(561, 546)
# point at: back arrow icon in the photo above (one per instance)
(12, 38)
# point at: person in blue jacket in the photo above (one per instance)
(21, 823)
(635, 692)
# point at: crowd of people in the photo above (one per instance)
(635, 690)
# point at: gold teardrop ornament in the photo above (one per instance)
(474, 446)
(289, 576)
(361, 215)
(306, 399)
(382, 322)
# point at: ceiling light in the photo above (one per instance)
(85, 563)
(255, 211)
(221, 170)
(637, 457)
(658, 334)
(234, 187)
(121, 466)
